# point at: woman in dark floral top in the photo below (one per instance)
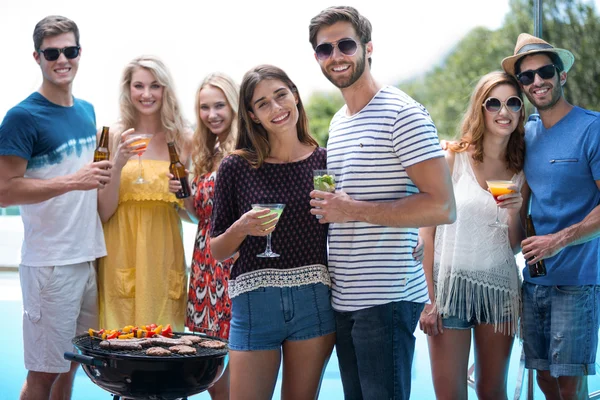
(282, 304)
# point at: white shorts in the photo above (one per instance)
(58, 304)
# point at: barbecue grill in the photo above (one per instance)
(132, 374)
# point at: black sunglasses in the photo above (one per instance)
(52, 53)
(346, 46)
(545, 72)
(494, 105)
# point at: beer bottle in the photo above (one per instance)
(102, 153)
(539, 268)
(178, 170)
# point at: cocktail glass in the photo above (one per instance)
(498, 188)
(143, 138)
(324, 180)
(276, 210)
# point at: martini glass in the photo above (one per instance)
(276, 210)
(324, 180)
(498, 188)
(143, 138)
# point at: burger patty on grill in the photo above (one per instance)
(158, 351)
(183, 349)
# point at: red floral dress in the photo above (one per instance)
(209, 306)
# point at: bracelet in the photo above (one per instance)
(432, 311)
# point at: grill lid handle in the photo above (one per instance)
(87, 360)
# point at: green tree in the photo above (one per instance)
(320, 108)
(570, 24)
(445, 89)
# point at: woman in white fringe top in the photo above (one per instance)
(471, 272)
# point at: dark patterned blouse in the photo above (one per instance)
(298, 237)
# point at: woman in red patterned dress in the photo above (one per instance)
(209, 306)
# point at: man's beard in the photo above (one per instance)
(358, 71)
(555, 95)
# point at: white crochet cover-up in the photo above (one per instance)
(474, 266)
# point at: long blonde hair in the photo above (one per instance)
(204, 155)
(472, 127)
(170, 112)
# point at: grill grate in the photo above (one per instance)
(87, 343)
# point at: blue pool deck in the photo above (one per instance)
(12, 371)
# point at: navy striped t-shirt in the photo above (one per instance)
(371, 264)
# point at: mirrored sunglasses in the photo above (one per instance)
(52, 53)
(346, 46)
(545, 72)
(494, 105)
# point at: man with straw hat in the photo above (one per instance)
(562, 167)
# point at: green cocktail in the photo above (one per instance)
(275, 213)
(324, 180)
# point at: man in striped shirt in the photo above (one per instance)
(392, 179)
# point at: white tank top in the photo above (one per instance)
(475, 271)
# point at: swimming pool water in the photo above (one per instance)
(12, 370)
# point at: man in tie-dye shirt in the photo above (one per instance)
(47, 143)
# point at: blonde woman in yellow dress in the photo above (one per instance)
(142, 279)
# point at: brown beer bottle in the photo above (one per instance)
(178, 170)
(102, 153)
(539, 268)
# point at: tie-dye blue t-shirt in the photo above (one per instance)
(55, 141)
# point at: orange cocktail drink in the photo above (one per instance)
(141, 139)
(144, 140)
(499, 188)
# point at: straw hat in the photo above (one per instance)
(527, 45)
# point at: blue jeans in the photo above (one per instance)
(375, 348)
(560, 328)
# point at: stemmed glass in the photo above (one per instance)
(143, 138)
(276, 210)
(498, 188)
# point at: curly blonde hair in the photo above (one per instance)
(170, 112)
(472, 127)
(205, 156)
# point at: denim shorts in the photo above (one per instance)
(470, 320)
(560, 328)
(455, 322)
(264, 318)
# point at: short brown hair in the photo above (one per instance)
(53, 25)
(331, 15)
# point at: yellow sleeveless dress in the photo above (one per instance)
(143, 279)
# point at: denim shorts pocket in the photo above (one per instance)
(176, 284)
(257, 290)
(125, 282)
(573, 289)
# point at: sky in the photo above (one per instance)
(195, 38)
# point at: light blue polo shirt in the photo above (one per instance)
(562, 165)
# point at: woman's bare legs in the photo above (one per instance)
(304, 362)
(220, 390)
(253, 374)
(492, 356)
(449, 355)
